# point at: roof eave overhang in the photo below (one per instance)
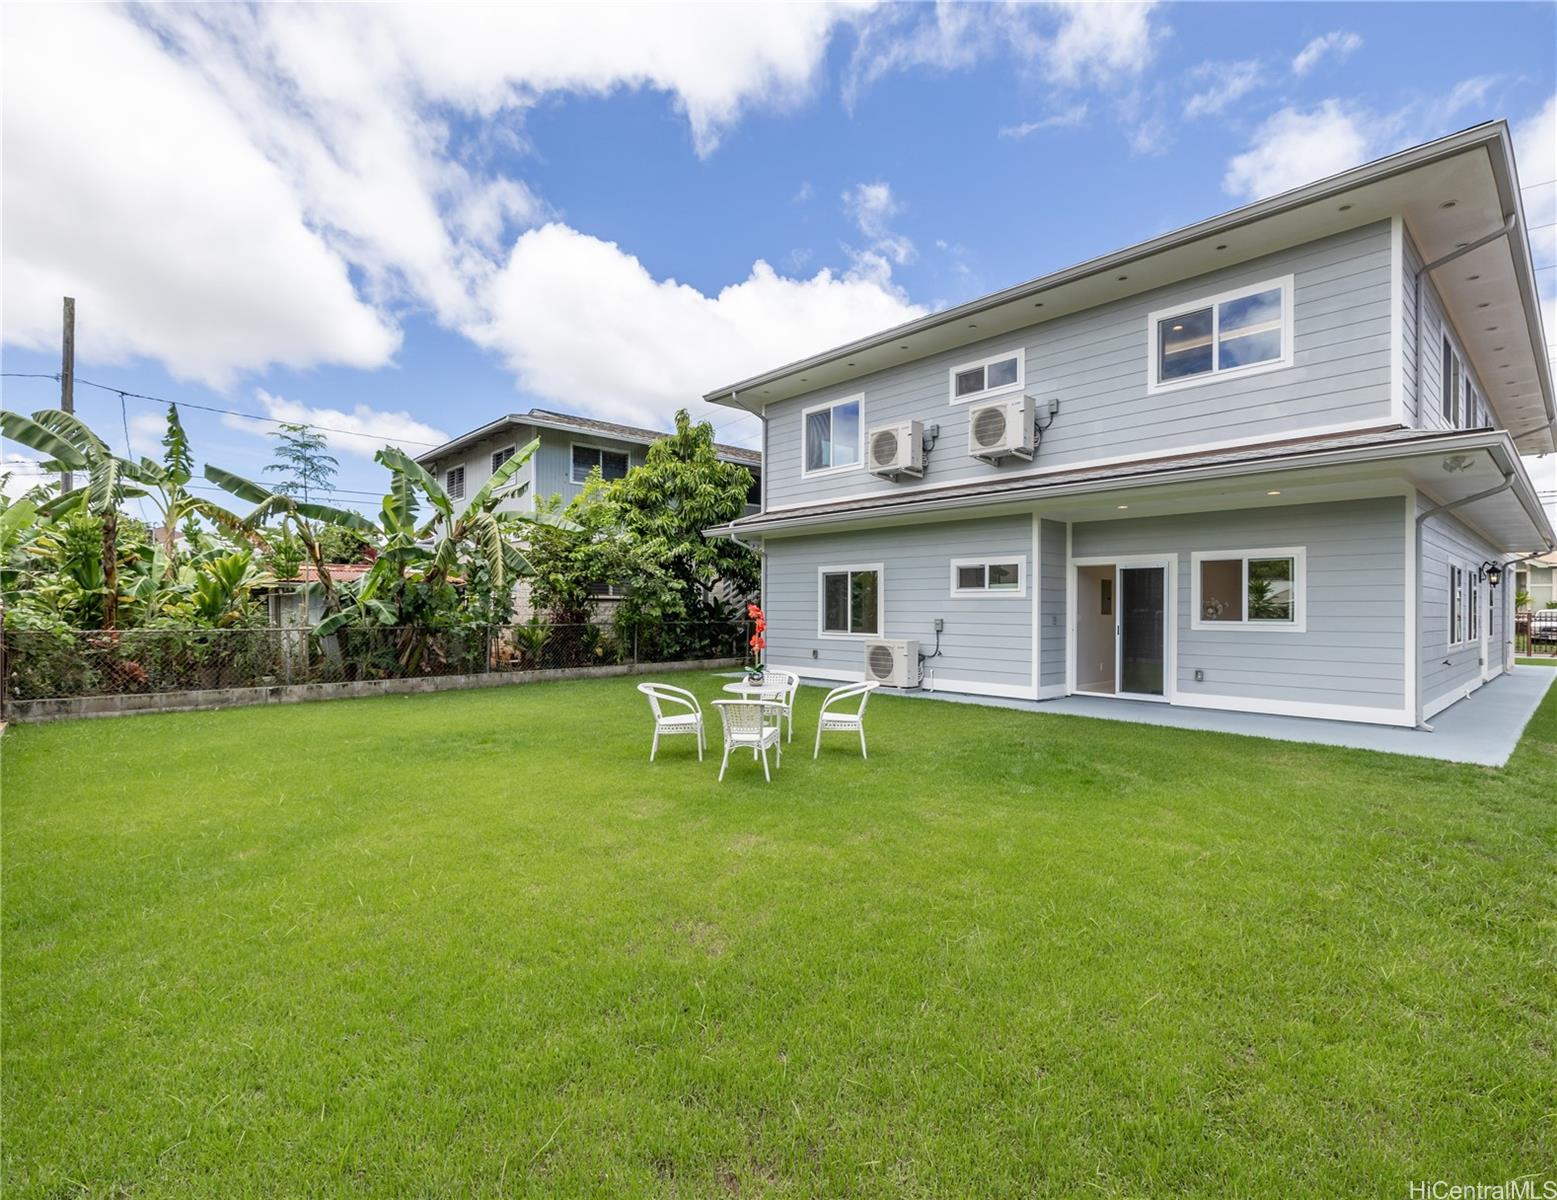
(1496, 442)
(1493, 137)
(526, 419)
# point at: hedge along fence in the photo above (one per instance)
(81, 664)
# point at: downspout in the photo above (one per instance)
(1509, 222)
(1439, 510)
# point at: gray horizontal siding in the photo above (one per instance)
(1424, 405)
(986, 639)
(554, 460)
(477, 461)
(1055, 619)
(1445, 667)
(1353, 650)
(1095, 363)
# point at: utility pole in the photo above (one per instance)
(67, 377)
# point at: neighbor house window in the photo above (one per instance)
(1235, 333)
(1456, 605)
(1248, 589)
(851, 601)
(500, 457)
(832, 435)
(612, 463)
(454, 483)
(992, 376)
(989, 576)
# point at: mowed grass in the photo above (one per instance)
(473, 944)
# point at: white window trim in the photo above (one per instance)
(1457, 594)
(859, 449)
(511, 451)
(1473, 617)
(448, 487)
(1214, 303)
(599, 449)
(881, 602)
(1019, 353)
(1019, 592)
(1299, 622)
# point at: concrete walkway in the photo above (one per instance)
(1483, 729)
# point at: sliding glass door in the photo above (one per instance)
(1142, 630)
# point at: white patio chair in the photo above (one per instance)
(750, 725)
(782, 697)
(833, 718)
(668, 724)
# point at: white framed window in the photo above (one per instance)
(1456, 605)
(1001, 575)
(499, 457)
(992, 376)
(850, 600)
(612, 463)
(1229, 335)
(832, 436)
(454, 483)
(1249, 589)
(1449, 406)
(1473, 604)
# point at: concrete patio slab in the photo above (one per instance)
(1482, 729)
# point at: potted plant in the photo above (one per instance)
(759, 642)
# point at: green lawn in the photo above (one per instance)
(474, 944)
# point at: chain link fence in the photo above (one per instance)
(51, 665)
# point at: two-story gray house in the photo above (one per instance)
(1269, 463)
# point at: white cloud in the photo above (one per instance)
(361, 431)
(871, 206)
(1535, 150)
(1072, 44)
(1098, 41)
(803, 193)
(1064, 119)
(19, 474)
(275, 184)
(1339, 44)
(202, 260)
(1294, 147)
(1224, 84)
(581, 322)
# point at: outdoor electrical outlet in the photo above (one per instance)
(940, 625)
(1200, 676)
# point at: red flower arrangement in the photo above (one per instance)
(759, 641)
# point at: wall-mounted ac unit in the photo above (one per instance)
(895, 664)
(1001, 429)
(896, 450)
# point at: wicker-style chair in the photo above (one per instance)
(663, 696)
(750, 725)
(834, 718)
(782, 697)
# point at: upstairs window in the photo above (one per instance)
(454, 483)
(1237, 333)
(992, 376)
(832, 435)
(1450, 376)
(612, 463)
(1248, 589)
(500, 457)
(989, 576)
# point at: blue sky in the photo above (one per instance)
(409, 221)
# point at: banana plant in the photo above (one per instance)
(111, 480)
(427, 550)
(298, 514)
(169, 480)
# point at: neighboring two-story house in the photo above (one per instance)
(570, 448)
(1269, 463)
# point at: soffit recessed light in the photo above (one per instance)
(902, 347)
(972, 325)
(1273, 493)
(1497, 349)
(1492, 328)
(851, 364)
(1122, 278)
(1485, 304)
(1345, 208)
(1472, 278)
(1121, 507)
(1447, 204)
(1223, 246)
